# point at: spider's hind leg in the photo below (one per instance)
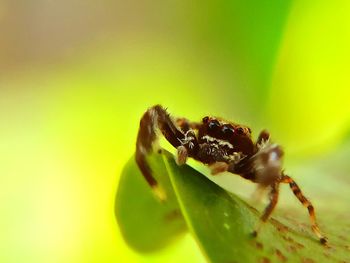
(297, 192)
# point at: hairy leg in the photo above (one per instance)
(186, 125)
(297, 192)
(264, 136)
(154, 119)
(274, 193)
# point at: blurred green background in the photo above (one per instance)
(75, 77)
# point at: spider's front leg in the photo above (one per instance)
(157, 118)
(187, 125)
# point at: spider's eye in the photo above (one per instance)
(240, 130)
(213, 124)
(227, 130)
(205, 119)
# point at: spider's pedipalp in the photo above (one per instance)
(182, 155)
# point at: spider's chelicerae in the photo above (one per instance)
(223, 146)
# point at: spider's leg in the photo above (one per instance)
(259, 193)
(235, 163)
(154, 119)
(186, 125)
(218, 167)
(297, 192)
(274, 193)
(264, 136)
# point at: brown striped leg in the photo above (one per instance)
(297, 192)
(274, 193)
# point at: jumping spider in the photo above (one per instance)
(223, 146)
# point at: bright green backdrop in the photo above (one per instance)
(77, 75)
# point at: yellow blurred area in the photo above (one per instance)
(76, 77)
(65, 135)
(62, 151)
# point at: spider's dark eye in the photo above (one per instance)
(213, 124)
(205, 119)
(240, 130)
(227, 130)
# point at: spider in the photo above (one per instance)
(223, 146)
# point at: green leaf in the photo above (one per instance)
(146, 223)
(222, 223)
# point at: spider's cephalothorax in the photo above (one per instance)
(224, 146)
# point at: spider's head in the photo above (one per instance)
(221, 132)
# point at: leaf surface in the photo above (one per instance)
(146, 223)
(222, 223)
